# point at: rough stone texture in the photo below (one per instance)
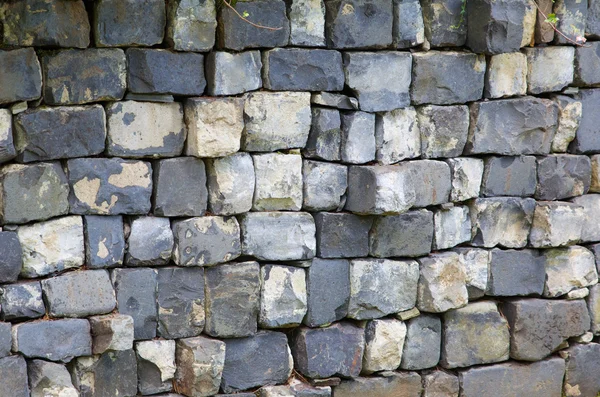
(408, 30)
(221, 65)
(369, 278)
(397, 135)
(549, 68)
(368, 78)
(451, 227)
(592, 27)
(230, 181)
(431, 180)
(572, 17)
(13, 370)
(200, 364)
(328, 291)
(156, 365)
(191, 25)
(84, 76)
(261, 359)
(516, 273)
(11, 257)
(307, 23)
(345, 342)
(587, 61)
(409, 234)
(50, 380)
(587, 139)
(341, 235)
(180, 187)
(150, 242)
(590, 230)
(423, 342)
(104, 241)
(580, 358)
(556, 224)
(402, 384)
(324, 186)
(509, 176)
(283, 298)
(324, 139)
(543, 31)
(495, 26)
(358, 145)
(384, 340)
(568, 269)
(444, 130)
(136, 296)
(32, 192)
(7, 147)
(442, 285)
(506, 75)
(278, 185)
(477, 263)
(21, 301)
(440, 384)
(334, 100)
(5, 339)
(111, 332)
(431, 82)
(569, 117)
(563, 176)
(466, 176)
(21, 76)
(113, 373)
(445, 26)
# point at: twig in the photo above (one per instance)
(226, 2)
(556, 29)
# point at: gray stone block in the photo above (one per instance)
(21, 76)
(506, 75)
(549, 68)
(516, 273)
(278, 182)
(562, 176)
(191, 25)
(283, 299)
(136, 296)
(509, 176)
(49, 379)
(556, 224)
(467, 174)
(104, 241)
(423, 343)
(325, 185)
(569, 269)
(325, 139)
(389, 384)
(11, 257)
(230, 181)
(476, 262)
(7, 147)
(587, 139)
(232, 299)
(328, 291)
(431, 180)
(408, 30)
(22, 301)
(444, 130)
(297, 69)
(571, 20)
(587, 61)
(543, 30)
(221, 65)
(451, 227)
(5, 339)
(590, 230)
(111, 332)
(442, 284)
(440, 384)
(155, 366)
(150, 242)
(409, 234)
(368, 77)
(341, 235)
(580, 359)
(495, 26)
(117, 23)
(397, 135)
(445, 24)
(114, 374)
(200, 364)
(180, 187)
(307, 23)
(358, 137)
(13, 370)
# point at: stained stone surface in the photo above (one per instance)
(191, 25)
(22, 301)
(442, 284)
(112, 373)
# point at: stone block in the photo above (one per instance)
(221, 65)
(7, 147)
(397, 135)
(533, 122)
(38, 339)
(13, 370)
(431, 180)
(451, 227)
(509, 176)
(261, 359)
(384, 341)
(5, 339)
(590, 230)
(556, 224)
(581, 358)
(230, 181)
(150, 242)
(334, 100)
(109, 186)
(389, 384)
(108, 374)
(562, 176)
(297, 69)
(344, 340)
(307, 23)
(444, 130)
(32, 192)
(440, 384)
(21, 301)
(549, 68)
(571, 19)
(423, 342)
(569, 117)
(104, 241)
(445, 23)
(587, 140)
(155, 365)
(83, 76)
(543, 30)
(409, 234)
(568, 269)
(431, 82)
(539, 326)
(21, 75)
(587, 62)
(442, 284)
(278, 236)
(358, 24)
(11, 258)
(191, 25)
(368, 77)
(153, 71)
(324, 186)
(111, 332)
(283, 299)
(328, 291)
(145, 129)
(266, 112)
(466, 175)
(180, 187)
(358, 137)
(232, 299)
(278, 185)
(592, 26)
(136, 296)
(506, 75)
(516, 273)
(342, 235)
(324, 139)
(476, 262)
(503, 221)
(49, 380)
(200, 362)
(379, 287)
(408, 30)
(116, 23)
(495, 27)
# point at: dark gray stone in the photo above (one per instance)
(22, 301)
(297, 69)
(358, 144)
(587, 62)
(114, 373)
(220, 66)
(444, 130)
(571, 18)
(21, 76)
(592, 26)
(13, 372)
(136, 296)
(10, 257)
(516, 273)
(5, 339)
(180, 302)
(408, 30)
(233, 35)
(58, 340)
(431, 82)
(445, 24)
(358, 23)
(7, 147)
(262, 359)
(109, 186)
(431, 181)
(180, 187)
(440, 383)
(58, 133)
(232, 299)
(533, 123)
(495, 27)
(325, 139)
(50, 379)
(341, 235)
(562, 176)
(587, 139)
(41, 23)
(200, 363)
(578, 379)
(191, 25)
(509, 176)
(409, 234)
(345, 343)
(150, 242)
(165, 72)
(423, 342)
(104, 241)
(118, 23)
(405, 384)
(83, 76)
(328, 291)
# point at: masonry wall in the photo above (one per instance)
(357, 198)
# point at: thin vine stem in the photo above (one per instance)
(556, 29)
(243, 18)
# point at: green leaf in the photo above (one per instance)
(245, 14)
(552, 19)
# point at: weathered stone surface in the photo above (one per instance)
(541, 379)
(533, 122)
(145, 129)
(409, 234)
(401, 384)
(445, 24)
(556, 224)
(408, 30)
(180, 187)
(431, 82)
(562, 176)
(155, 365)
(358, 137)
(587, 139)
(397, 135)
(278, 236)
(442, 285)
(475, 334)
(32, 192)
(503, 221)
(111, 332)
(341, 235)
(232, 299)
(543, 30)
(283, 300)
(590, 230)
(230, 182)
(45, 24)
(278, 182)
(104, 241)
(476, 262)
(50, 380)
(384, 340)
(200, 362)
(549, 68)
(150, 242)
(297, 388)
(431, 180)
(84, 76)
(7, 147)
(568, 269)
(5, 339)
(13, 370)
(259, 360)
(328, 291)
(334, 100)
(191, 25)
(324, 186)
(136, 296)
(538, 327)
(580, 359)
(516, 273)
(367, 73)
(379, 287)
(506, 75)
(444, 130)
(440, 384)
(11, 257)
(569, 117)
(324, 139)
(108, 374)
(466, 175)
(451, 227)
(571, 20)
(266, 112)
(345, 342)
(509, 176)
(109, 186)
(307, 23)
(117, 23)
(495, 26)
(587, 61)
(592, 26)
(21, 76)
(423, 342)
(221, 65)
(21, 301)
(153, 71)
(39, 339)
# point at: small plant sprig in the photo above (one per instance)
(552, 20)
(243, 16)
(463, 12)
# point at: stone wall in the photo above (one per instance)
(365, 198)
